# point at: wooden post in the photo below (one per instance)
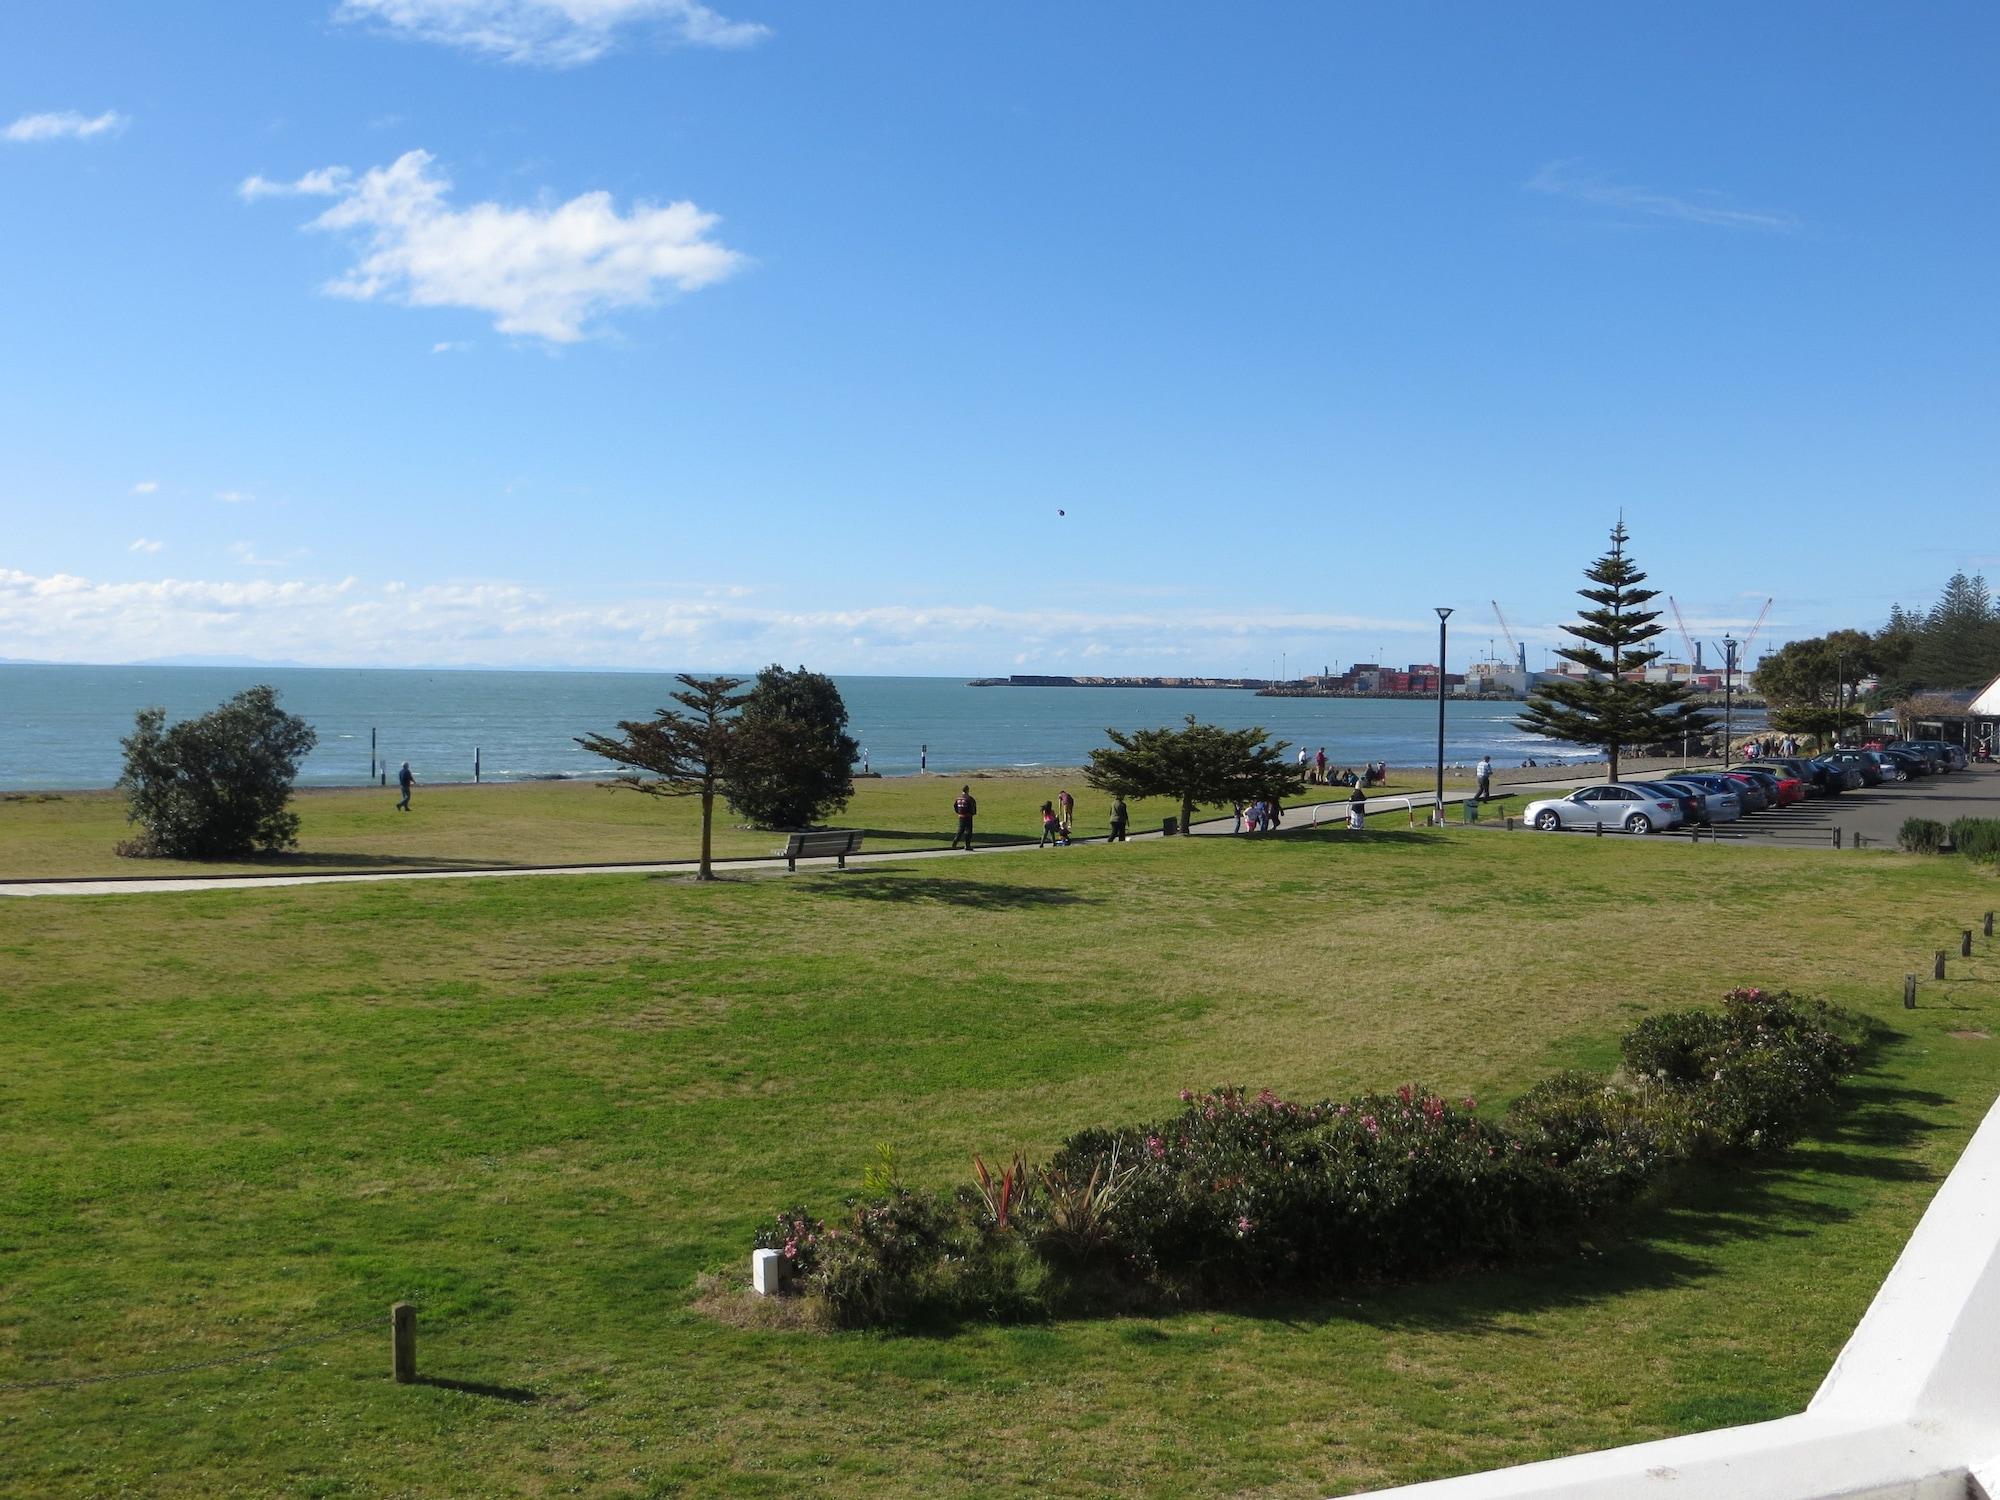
(371, 750)
(403, 1342)
(1989, 924)
(475, 765)
(1909, 992)
(1836, 835)
(1965, 943)
(1937, 965)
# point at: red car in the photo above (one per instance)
(1788, 787)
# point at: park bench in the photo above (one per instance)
(836, 841)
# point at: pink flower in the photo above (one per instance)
(1368, 1124)
(1243, 1225)
(791, 1249)
(1156, 1148)
(1469, 1102)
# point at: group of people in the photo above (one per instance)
(1058, 818)
(1319, 771)
(1771, 745)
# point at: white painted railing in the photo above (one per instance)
(1910, 1410)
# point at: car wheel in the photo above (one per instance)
(1548, 822)
(1638, 823)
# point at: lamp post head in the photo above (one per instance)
(1443, 611)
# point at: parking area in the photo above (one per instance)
(1876, 813)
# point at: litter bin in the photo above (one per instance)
(1169, 827)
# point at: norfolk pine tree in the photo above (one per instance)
(680, 755)
(1604, 709)
(1202, 764)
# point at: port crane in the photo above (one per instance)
(1687, 637)
(1519, 651)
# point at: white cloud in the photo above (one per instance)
(64, 125)
(1569, 179)
(64, 617)
(450, 346)
(327, 182)
(145, 486)
(556, 33)
(234, 497)
(543, 272)
(143, 545)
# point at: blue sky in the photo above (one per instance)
(637, 332)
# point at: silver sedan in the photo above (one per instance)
(1630, 809)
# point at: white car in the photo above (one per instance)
(1627, 808)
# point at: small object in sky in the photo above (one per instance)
(1062, 512)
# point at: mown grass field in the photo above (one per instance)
(542, 1109)
(539, 823)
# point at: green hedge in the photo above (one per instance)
(1921, 836)
(1238, 1192)
(1976, 838)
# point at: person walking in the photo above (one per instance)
(1065, 811)
(1357, 809)
(1120, 815)
(967, 808)
(405, 781)
(1484, 771)
(1051, 826)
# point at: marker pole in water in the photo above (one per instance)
(371, 750)
(475, 765)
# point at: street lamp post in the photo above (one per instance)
(1728, 697)
(1443, 614)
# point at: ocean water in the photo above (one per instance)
(60, 726)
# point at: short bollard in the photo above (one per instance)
(1965, 943)
(767, 1272)
(1989, 924)
(1836, 835)
(1509, 821)
(403, 1342)
(1937, 965)
(1909, 992)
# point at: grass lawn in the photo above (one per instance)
(562, 822)
(541, 1109)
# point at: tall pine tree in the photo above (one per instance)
(1603, 709)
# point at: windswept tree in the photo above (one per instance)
(215, 786)
(794, 759)
(1605, 708)
(676, 754)
(1200, 765)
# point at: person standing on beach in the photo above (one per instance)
(1485, 773)
(1120, 815)
(405, 780)
(1065, 811)
(967, 808)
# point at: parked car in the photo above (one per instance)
(1693, 804)
(1720, 802)
(1621, 805)
(1912, 763)
(1786, 788)
(1817, 781)
(1872, 766)
(1840, 776)
(1753, 793)
(1947, 756)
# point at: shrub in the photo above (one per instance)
(1921, 836)
(1976, 838)
(217, 785)
(1239, 1192)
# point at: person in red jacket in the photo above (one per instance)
(967, 808)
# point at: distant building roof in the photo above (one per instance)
(1987, 702)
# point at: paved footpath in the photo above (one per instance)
(1297, 816)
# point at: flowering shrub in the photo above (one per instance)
(1242, 1191)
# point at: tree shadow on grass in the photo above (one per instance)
(939, 838)
(513, 1394)
(942, 890)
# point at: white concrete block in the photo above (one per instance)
(767, 1272)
